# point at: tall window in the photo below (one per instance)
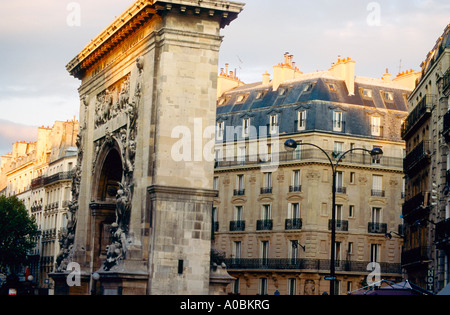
(375, 126)
(376, 215)
(296, 181)
(377, 186)
(238, 213)
(264, 250)
(292, 286)
(245, 127)
(240, 183)
(268, 180)
(301, 120)
(293, 251)
(266, 212)
(338, 149)
(220, 130)
(263, 286)
(340, 182)
(273, 124)
(237, 248)
(374, 252)
(294, 211)
(242, 151)
(337, 121)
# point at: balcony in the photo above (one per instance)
(415, 256)
(296, 188)
(419, 157)
(377, 193)
(446, 83)
(375, 227)
(308, 156)
(446, 129)
(57, 177)
(237, 226)
(420, 113)
(416, 207)
(341, 190)
(264, 225)
(442, 236)
(239, 192)
(306, 264)
(341, 225)
(266, 190)
(293, 224)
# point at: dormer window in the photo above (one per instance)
(375, 126)
(367, 93)
(337, 121)
(301, 120)
(388, 96)
(273, 124)
(332, 87)
(220, 130)
(260, 95)
(245, 127)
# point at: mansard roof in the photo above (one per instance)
(319, 94)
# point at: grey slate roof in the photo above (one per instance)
(314, 96)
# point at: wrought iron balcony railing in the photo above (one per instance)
(421, 111)
(239, 192)
(419, 156)
(307, 264)
(375, 227)
(293, 224)
(296, 188)
(237, 226)
(266, 190)
(341, 225)
(264, 225)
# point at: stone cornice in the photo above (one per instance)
(136, 15)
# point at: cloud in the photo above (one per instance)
(11, 132)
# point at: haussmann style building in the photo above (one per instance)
(272, 217)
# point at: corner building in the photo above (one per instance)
(273, 214)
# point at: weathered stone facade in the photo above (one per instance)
(142, 220)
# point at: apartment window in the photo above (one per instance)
(242, 151)
(352, 177)
(294, 211)
(273, 124)
(376, 215)
(263, 286)
(237, 248)
(293, 251)
(367, 93)
(337, 253)
(350, 248)
(238, 213)
(351, 211)
(245, 127)
(301, 120)
(338, 213)
(340, 182)
(266, 212)
(292, 286)
(216, 183)
(267, 177)
(337, 121)
(388, 96)
(264, 250)
(377, 186)
(220, 130)
(338, 149)
(374, 252)
(240, 183)
(296, 181)
(236, 289)
(375, 126)
(298, 152)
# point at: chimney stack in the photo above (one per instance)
(345, 70)
(285, 71)
(266, 78)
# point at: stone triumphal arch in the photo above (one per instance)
(139, 220)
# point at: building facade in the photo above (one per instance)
(40, 174)
(140, 217)
(274, 209)
(426, 208)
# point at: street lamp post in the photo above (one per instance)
(290, 146)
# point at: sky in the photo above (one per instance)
(38, 38)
